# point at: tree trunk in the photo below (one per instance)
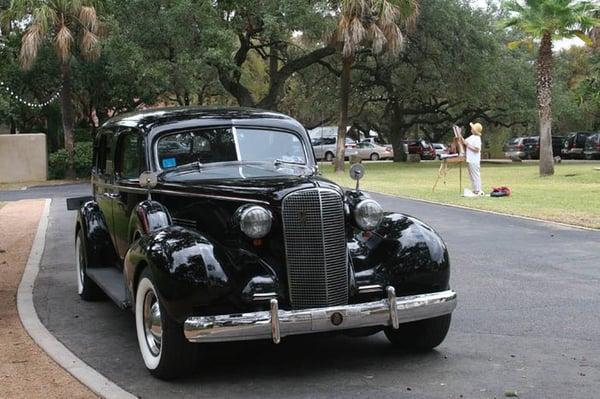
(397, 132)
(13, 126)
(68, 116)
(544, 94)
(344, 103)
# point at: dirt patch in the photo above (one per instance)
(25, 370)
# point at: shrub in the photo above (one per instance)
(59, 161)
(57, 164)
(83, 159)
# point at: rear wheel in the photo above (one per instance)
(86, 287)
(166, 352)
(374, 157)
(329, 157)
(420, 336)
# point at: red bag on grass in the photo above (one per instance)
(502, 191)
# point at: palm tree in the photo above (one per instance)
(377, 23)
(547, 20)
(72, 27)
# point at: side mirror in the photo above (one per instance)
(148, 180)
(357, 172)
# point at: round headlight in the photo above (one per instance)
(368, 214)
(255, 222)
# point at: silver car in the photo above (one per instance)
(325, 148)
(374, 152)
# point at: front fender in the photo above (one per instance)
(403, 252)
(187, 269)
(148, 216)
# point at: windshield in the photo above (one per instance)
(207, 146)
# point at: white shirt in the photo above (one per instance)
(473, 141)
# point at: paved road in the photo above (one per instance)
(527, 320)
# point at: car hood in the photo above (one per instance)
(252, 182)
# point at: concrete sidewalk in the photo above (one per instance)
(25, 371)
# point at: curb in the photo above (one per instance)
(89, 377)
(531, 219)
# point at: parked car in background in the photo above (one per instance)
(325, 148)
(420, 147)
(529, 147)
(574, 145)
(374, 152)
(440, 149)
(592, 147)
(240, 238)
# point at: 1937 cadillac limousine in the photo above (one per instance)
(214, 225)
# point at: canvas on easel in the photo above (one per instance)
(457, 157)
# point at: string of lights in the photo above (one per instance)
(30, 104)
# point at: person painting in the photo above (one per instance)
(473, 149)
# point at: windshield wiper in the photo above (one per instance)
(278, 162)
(196, 164)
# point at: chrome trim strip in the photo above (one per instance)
(367, 289)
(198, 195)
(264, 296)
(275, 323)
(179, 193)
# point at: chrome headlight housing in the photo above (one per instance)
(367, 214)
(255, 221)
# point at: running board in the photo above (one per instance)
(111, 281)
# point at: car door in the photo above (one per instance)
(129, 164)
(103, 177)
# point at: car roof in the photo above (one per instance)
(145, 119)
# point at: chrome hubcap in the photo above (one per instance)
(152, 323)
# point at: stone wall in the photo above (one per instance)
(23, 158)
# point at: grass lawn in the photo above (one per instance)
(571, 196)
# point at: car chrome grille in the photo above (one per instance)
(315, 248)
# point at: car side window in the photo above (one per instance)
(130, 155)
(104, 154)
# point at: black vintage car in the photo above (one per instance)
(214, 225)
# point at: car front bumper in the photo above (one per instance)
(276, 323)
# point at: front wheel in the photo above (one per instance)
(421, 335)
(166, 352)
(329, 157)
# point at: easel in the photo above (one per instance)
(458, 157)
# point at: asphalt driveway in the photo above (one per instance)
(527, 320)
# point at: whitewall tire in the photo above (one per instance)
(164, 349)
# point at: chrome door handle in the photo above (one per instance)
(112, 195)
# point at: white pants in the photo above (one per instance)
(475, 175)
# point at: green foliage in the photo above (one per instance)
(455, 67)
(59, 161)
(560, 18)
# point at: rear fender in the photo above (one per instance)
(98, 243)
